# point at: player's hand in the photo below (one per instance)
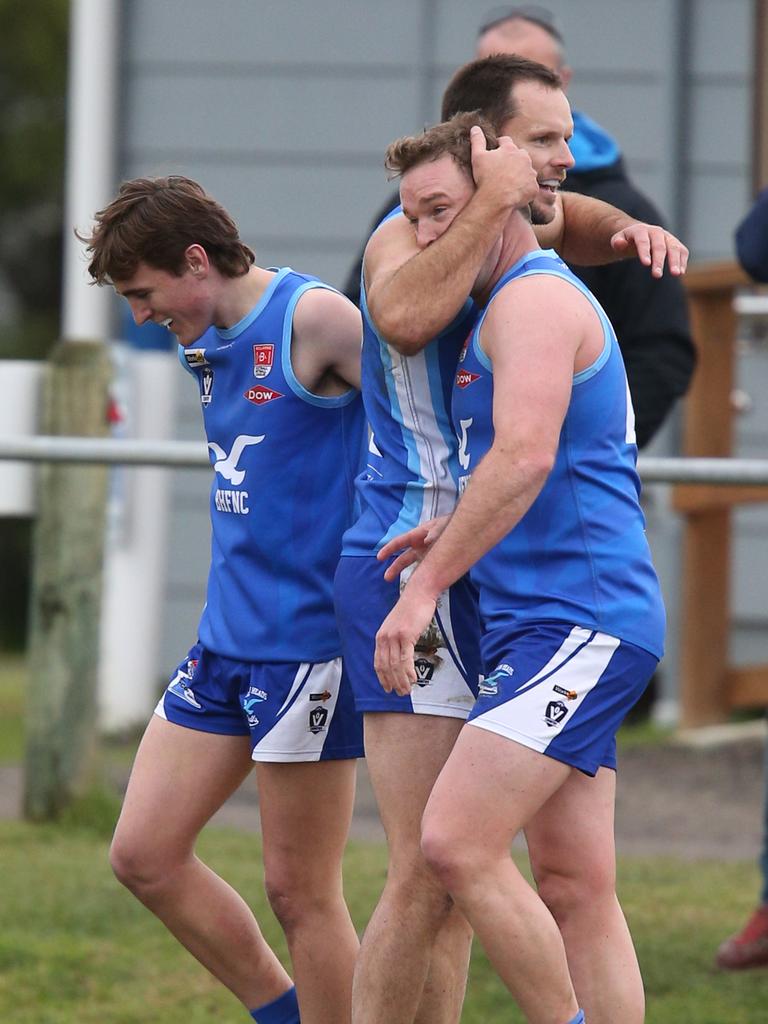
(413, 545)
(653, 246)
(505, 175)
(396, 640)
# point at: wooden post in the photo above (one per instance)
(66, 586)
(705, 598)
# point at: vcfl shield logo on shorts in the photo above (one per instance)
(317, 719)
(555, 713)
(263, 357)
(425, 669)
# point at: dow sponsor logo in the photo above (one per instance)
(260, 394)
(465, 377)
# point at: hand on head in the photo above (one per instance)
(507, 169)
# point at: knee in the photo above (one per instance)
(296, 903)
(135, 865)
(448, 859)
(567, 893)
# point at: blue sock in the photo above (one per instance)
(578, 1019)
(283, 1010)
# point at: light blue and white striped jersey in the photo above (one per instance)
(412, 468)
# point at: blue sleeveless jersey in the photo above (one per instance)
(285, 462)
(412, 469)
(580, 554)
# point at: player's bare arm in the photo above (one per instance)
(590, 232)
(326, 344)
(396, 268)
(536, 335)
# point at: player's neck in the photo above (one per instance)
(239, 295)
(517, 239)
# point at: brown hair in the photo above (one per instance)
(451, 137)
(488, 85)
(154, 221)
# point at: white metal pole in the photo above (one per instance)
(90, 158)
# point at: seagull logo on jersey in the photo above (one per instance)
(263, 357)
(555, 713)
(464, 378)
(180, 685)
(262, 395)
(226, 465)
(317, 719)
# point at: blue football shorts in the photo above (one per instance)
(447, 656)
(563, 690)
(293, 711)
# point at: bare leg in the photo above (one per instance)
(306, 809)
(487, 791)
(179, 779)
(446, 984)
(405, 754)
(572, 854)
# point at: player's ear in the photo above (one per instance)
(196, 260)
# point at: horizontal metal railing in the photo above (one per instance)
(194, 455)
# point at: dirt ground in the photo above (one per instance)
(692, 800)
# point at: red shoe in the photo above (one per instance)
(749, 947)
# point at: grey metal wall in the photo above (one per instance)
(283, 111)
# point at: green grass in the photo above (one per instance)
(12, 685)
(75, 947)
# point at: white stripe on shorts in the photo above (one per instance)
(576, 667)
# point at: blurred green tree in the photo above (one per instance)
(33, 83)
(33, 79)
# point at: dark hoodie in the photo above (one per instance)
(752, 239)
(649, 315)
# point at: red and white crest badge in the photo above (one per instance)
(263, 358)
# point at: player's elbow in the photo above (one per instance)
(398, 326)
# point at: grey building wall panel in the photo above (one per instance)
(283, 111)
(305, 118)
(719, 196)
(292, 31)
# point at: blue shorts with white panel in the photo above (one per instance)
(562, 690)
(293, 711)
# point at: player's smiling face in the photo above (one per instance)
(432, 195)
(542, 126)
(179, 302)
